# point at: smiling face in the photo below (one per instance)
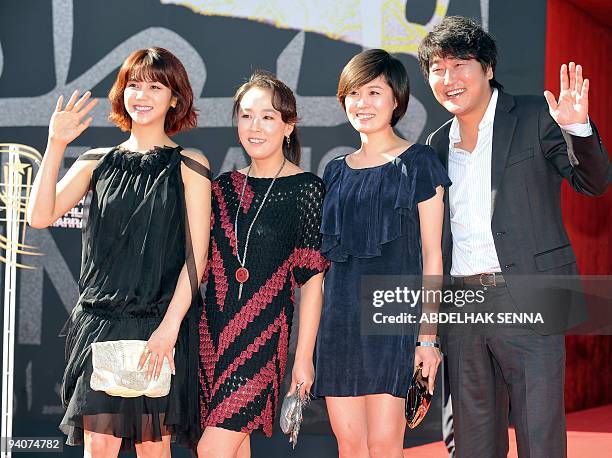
(261, 128)
(147, 102)
(369, 108)
(460, 85)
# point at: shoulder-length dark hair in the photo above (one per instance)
(160, 65)
(283, 101)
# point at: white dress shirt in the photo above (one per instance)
(470, 199)
(470, 196)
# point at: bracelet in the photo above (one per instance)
(428, 344)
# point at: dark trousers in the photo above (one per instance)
(488, 372)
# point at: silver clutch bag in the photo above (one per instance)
(291, 414)
(115, 370)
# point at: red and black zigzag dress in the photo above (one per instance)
(244, 343)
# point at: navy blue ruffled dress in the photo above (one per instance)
(370, 226)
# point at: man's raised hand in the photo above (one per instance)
(573, 104)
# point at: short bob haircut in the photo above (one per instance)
(283, 101)
(369, 65)
(159, 65)
(460, 38)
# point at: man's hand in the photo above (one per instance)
(573, 104)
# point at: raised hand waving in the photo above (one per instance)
(67, 123)
(573, 104)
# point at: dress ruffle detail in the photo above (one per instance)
(152, 161)
(390, 191)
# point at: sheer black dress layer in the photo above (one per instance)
(135, 243)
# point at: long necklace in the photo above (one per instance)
(242, 273)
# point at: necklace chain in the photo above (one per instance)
(242, 261)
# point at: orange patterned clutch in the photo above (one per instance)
(418, 399)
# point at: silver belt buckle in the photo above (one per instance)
(488, 284)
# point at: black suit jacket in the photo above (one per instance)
(531, 156)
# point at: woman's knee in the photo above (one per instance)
(101, 445)
(350, 428)
(208, 449)
(385, 443)
(203, 449)
(352, 448)
(219, 443)
(350, 441)
(159, 449)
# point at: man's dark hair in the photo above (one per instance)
(460, 38)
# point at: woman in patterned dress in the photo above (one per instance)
(144, 243)
(264, 244)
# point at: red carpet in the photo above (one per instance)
(589, 434)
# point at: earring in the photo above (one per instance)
(288, 141)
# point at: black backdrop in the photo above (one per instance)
(48, 47)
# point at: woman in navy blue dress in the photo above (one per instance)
(382, 215)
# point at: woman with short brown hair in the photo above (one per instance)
(382, 216)
(144, 248)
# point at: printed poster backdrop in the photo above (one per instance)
(52, 47)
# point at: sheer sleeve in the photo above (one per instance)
(203, 178)
(91, 156)
(196, 203)
(197, 167)
(308, 260)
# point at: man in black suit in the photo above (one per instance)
(507, 157)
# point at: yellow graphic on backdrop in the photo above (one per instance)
(17, 177)
(369, 23)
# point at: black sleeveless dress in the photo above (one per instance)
(135, 243)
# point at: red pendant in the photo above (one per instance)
(242, 274)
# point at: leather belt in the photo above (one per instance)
(488, 279)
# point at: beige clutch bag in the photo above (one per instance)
(115, 370)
